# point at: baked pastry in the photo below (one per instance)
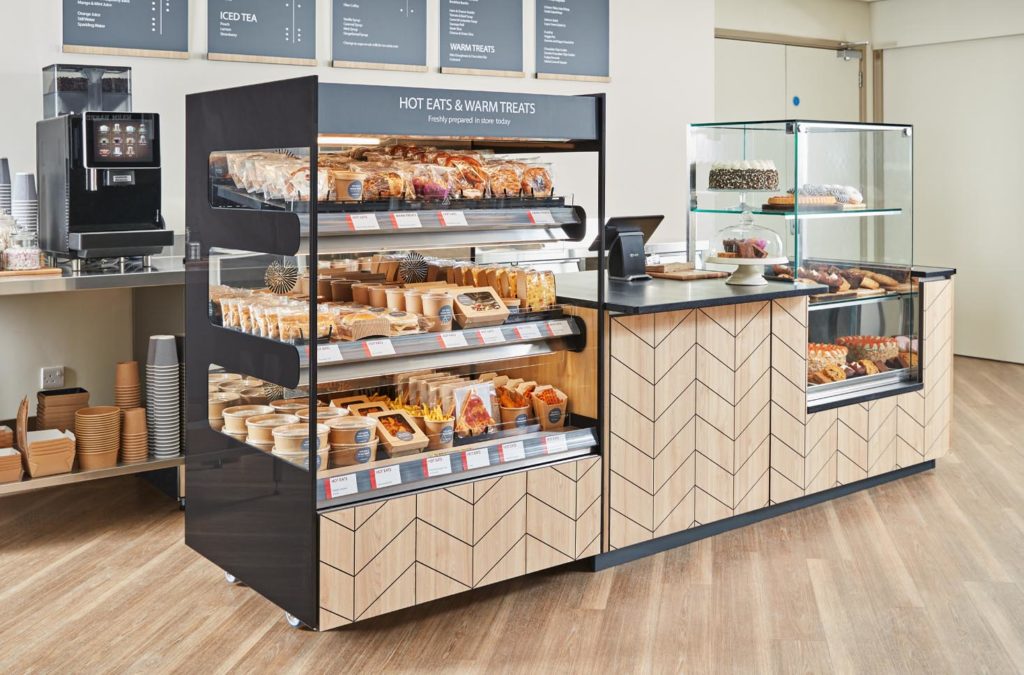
(790, 200)
(869, 347)
(880, 365)
(883, 280)
(383, 185)
(832, 373)
(843, 194)
(403, 323)
(537, 182)
(359, 325)
(821, 355)
(505, 180)
(746, 248)
(756, 174)
(818, 378)
(908, 359)
(869, 367)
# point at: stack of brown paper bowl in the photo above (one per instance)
(98, 434)
(55, 409)
(127, 387)
(134, 436)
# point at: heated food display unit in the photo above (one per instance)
(334, 232)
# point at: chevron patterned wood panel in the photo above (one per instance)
(395, 553)
(733, 397)
(652, 426)
(804, 448)
(924, 418)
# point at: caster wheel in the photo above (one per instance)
(181, 504)
(293, 621)
(230, 578)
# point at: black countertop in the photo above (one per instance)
(923, 272)
(665, 295)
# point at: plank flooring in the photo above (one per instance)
(924, 575)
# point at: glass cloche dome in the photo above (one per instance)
(750, 247)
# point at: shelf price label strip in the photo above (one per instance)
(496, 454)
(361, 222)
(453, 218)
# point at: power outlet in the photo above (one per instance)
(52, 377)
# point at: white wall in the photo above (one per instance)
(825, 19)
(965, 100)
(905, 23)
(662, 78)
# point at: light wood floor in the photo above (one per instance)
(924, 575)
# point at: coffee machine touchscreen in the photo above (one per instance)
(121, 141)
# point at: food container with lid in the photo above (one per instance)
(261, 427)
(234, 418)
(295, 437)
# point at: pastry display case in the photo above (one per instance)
(348, 347)
(838, 197)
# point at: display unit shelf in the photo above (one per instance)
(805, 215)
(257, 514)
(343, 486)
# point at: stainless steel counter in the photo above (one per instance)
(165, 271)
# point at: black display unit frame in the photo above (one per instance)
(249, 512)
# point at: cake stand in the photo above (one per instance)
(749, 271)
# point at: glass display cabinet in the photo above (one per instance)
(349, 351)
(838, 198)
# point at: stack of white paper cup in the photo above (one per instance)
(25, 202)
(5, 186)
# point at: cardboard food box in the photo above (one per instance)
(480, 307)
(6, 437)
(346, 401)
(44, 453)
(551, 416)
(10, 465)
(399, 432)
(369, 408)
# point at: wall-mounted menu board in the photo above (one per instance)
(386, 34)
(572, 39)
(482, 37)
(262, 31)
(127, 27)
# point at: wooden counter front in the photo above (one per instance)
(707, 415)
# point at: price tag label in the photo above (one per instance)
(437, 466)
(362, 221)
(510, 452)
(328, 353)
(476, 459)
(405, 220)
(386, 476)
(491, 336)
(528, 331)
(542, 217)
(453, 219)
(452, 340)
(559, 328)
(342, 486)
(375, 348)
(555, 444)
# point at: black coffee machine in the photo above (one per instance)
(99, 186)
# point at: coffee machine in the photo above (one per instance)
(99, 179)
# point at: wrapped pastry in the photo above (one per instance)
(433, 182)
(470, 176)
(535, 289)
(537, 182)
(505, 179)
(383, 184)
(298, 187)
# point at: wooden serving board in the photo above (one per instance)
(43, 272)
(689, 275)
(670, 267)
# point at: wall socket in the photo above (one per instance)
(52, 377)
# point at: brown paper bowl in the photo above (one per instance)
(90, 461)
(441, 434)
(515, 418)
(261, 427)
(352, 430)
(291, 438)
(350, 455)
(234, 418)
(322, 413)
(221, 400)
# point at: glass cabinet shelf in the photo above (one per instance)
(806, 215)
